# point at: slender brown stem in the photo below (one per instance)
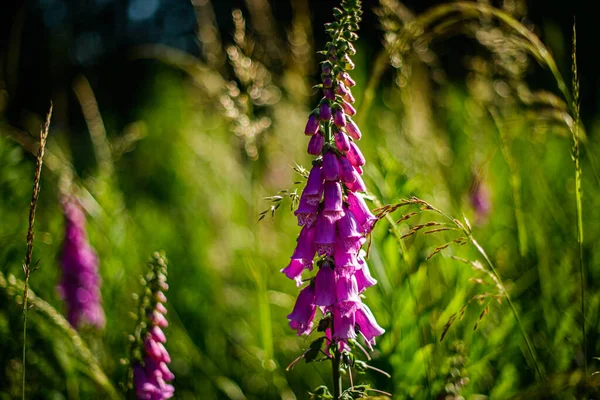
(30, 232)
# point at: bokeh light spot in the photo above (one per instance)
(142, 9)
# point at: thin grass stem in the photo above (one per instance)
(530, 349)
(469, 234)
(579, 195)
(30, 234)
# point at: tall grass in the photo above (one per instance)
(27, 267)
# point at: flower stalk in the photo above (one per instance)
(334, 217)
(30, 232)
(149, 357)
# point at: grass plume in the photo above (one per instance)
(468, 235)
(578, 190)
(27, 268)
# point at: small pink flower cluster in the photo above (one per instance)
(150, 377)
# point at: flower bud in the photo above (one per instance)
(347, 172)
(312, 126)
(355, 156)
(315, 145)
(325, 112)
(341, 141)
(352, 129)
(331, 167)
(339, 118)
(348, 109)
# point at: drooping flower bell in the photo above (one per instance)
(150, 358)
(332, 207)
(80, 283)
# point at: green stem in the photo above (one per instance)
(579, 193)
(337, 377)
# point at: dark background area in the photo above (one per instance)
(59, 39)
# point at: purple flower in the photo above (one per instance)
(307, 211)
(314, 185)
(346, 290)
(339, 119)
(352, 129)
(343, 325)
(305, 249)
(312, 126)
(156, 350)
(315, 145)
(341, 89)
(355, 156)
(335, 220)
(157, 318)
(151, 374)
(368, 325)
(325, 286)
(347, 171)
(331, 167)
(295, 268)
(157, 334)
(349, 231)
(363, 276)
(301, 318)
(358, 185)
(348, 109)
(325, 112)
(332, 203)
(80, 284)
(341, 141)
(358, 207)
(329, 94)
(345, 261)
(324, 235)
(150, 383)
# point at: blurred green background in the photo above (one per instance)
(174, 120)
